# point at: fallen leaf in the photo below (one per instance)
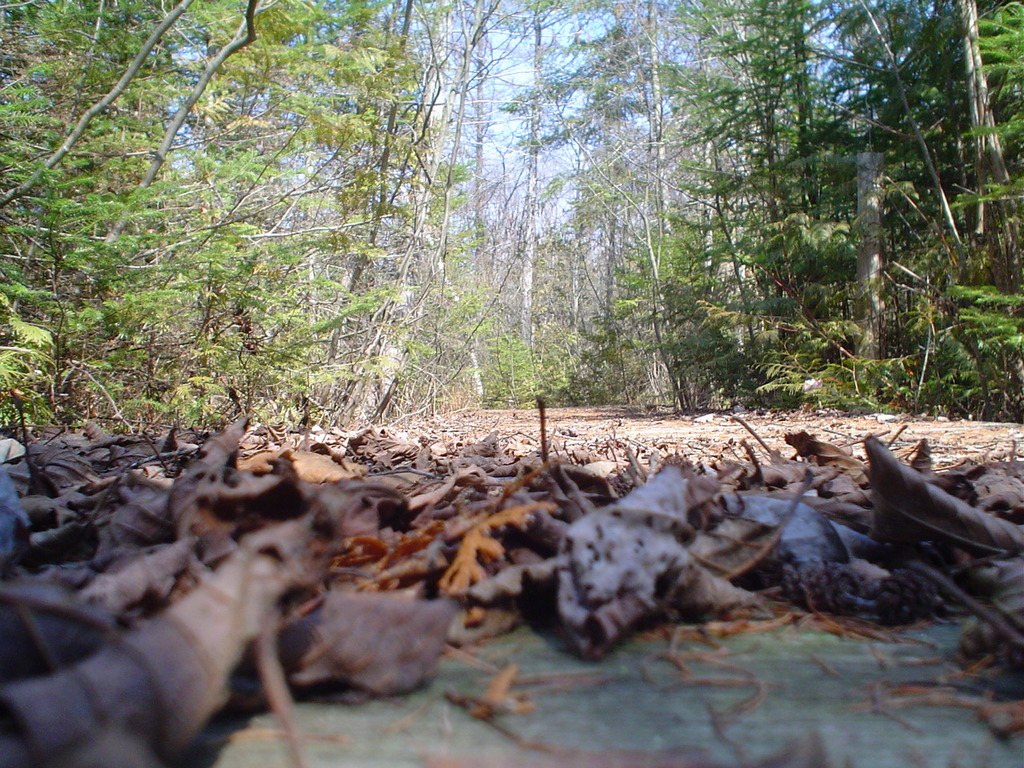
(827, 454)
(910, 509)
(479, 545)
(44, 628)
(198, 641)
(148, 577)
(316, 468)
(631, 560)
(14, 522)
(381, 644)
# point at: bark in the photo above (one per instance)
(655, 224)
(384, 193)
(869, 257)
(926, 154)
(443, 116)
(530, 224)
(989, 161)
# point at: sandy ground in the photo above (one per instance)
(721, 435)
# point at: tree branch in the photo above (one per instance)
(245, 35)
(83, 122)
(926, 153)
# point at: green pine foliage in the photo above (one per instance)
(340, 226)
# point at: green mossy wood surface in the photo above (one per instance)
(635, 700)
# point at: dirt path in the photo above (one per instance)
(721, 435)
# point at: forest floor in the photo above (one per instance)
(721, 435)
(790, 692)
(857, 660)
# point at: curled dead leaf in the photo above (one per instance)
(198, 642)
(827, 454)
(910, 509)
(631, 560)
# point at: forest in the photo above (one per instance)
(353, 209)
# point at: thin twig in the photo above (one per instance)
(639, 476)
(898, 433)
(33, 474)
(1001, 623)
(275, 687)
(106, 395)
(542, 412)
(772, 453)
(878, 707)
(82, 124)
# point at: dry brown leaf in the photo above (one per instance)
(827, 454)
(228, 504)
(356, 507)
(389, 563)
(60, 465)
(734, 546)
(910, 509)
(317, 468)
(147, 579)
(217, 455)
(44, 627)
(381, 644)
(498, 699)
(478, 544)
(996, 487)
(383, 449)
(469, 475)
(197, 642)
(140, 516)
(980, 637)
(630, 560)
(782, 475)
(465, 569)
(807, 752)
(261, 463)
(14, 522)
(358, 551)
(498, 689)
(757, 526)
(509, 583)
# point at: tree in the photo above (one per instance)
(357, 209)
(998, 223)
(869, 257)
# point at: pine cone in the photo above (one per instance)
(906, 597)
(826, 587)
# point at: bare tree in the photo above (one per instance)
(447, 87)
(531, 230)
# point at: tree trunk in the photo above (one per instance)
(655, 224)
(926, 153)
(869, 257)
(530, 225)
(997, 223)
(423, 261)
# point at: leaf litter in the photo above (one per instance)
(150, 581)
